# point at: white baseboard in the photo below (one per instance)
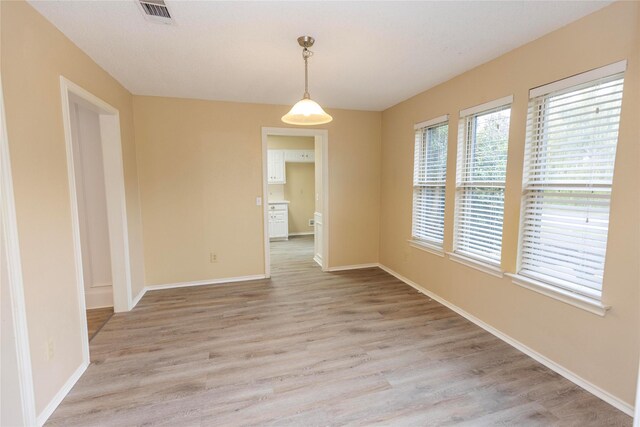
(352, 267)
(61, 394)
(614, 401)
(318, 260)
(205, 282)
(138, 297)
(302, 233)
(99, 297)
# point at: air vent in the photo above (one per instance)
(156, 11)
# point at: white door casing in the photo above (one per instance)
(115, 195)
(16, 343)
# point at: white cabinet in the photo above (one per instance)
(275, 167)
(276, 160)
(299, 156)
(278, 221)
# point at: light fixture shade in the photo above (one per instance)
(306, 112)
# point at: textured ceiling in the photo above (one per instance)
(368, 55)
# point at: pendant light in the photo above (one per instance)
(306, 112)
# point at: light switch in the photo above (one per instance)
(258, 201)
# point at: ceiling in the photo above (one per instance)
(367, 56)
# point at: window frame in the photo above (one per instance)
(474, 260)
(572, 293)
(429, 245)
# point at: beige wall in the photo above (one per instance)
(286, 142)
(34, 54)
(300, 192)
(200, 169)
(602, 350)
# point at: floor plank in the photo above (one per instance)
(308, 348)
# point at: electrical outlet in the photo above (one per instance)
(312, 222)
(49, 350)
(213, 258)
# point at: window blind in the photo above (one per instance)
(572, 135)
(429, 179)
(482, 164)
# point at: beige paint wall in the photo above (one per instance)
(602, 350)
(200, 171)
(33, 56)
(300, 192)
(286, 142)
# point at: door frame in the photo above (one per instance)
(321, 136)
(115, 194)
(11, 243)
(636, 409)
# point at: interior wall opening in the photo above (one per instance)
(98, 208)
(92, 214)
(292, 195)
(295, 198)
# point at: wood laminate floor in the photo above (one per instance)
(96, 319)
(308, 348)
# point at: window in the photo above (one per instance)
(429, 178)
(482, 164)
(570, 151)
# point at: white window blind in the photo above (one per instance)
(570, 151)
(429, 179)
(483, 137)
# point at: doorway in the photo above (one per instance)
(99, 221)
(92, 214)
(295, 195)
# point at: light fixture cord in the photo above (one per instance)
(306, 53)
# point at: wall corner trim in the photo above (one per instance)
(61, 394)
(318, 260)
(137, 298)
(614, 401)
(15, 281)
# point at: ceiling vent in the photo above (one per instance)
(155, 11)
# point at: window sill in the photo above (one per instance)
(579, 301)
(423, 246)
(476, 264)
